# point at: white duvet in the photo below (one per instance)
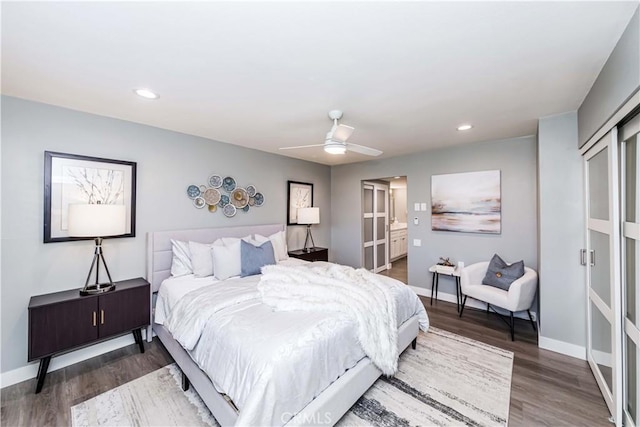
(270, 363)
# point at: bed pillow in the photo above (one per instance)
(253, 258)
(181, 261)
(502, 275)
(201, 260)
(279, 242)
(227, 258)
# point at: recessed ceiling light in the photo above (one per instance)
(396, 177)
(464, 127)
(146, 93)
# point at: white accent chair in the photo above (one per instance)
(519, 297)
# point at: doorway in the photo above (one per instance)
(393, 261)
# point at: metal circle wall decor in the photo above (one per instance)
(199, 202)
(215, 181)
(229, 210)
(225, 195)
(211, 196)
(193, 191)
(239, 198)
(228, 184)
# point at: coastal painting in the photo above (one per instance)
(466, 202)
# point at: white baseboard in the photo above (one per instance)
(58, 362)
(562, 347)
(442, 296)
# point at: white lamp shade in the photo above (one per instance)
(97, 220)
(309, 216)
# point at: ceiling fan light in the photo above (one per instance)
(335, 148)
(146, 93)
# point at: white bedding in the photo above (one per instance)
(261, 358)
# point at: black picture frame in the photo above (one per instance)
(299, 195)
(60, 168)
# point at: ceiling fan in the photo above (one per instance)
(336, 140)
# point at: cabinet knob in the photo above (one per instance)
(94, 319)
(102, 317)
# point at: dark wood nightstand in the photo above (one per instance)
(64, 321)
(314, 254)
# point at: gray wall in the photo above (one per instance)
(562, 293)
(167, 163)
(618, 80)
(516, 158)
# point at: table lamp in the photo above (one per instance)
(308, 216)
(97, 221)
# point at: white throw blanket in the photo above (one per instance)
(359, 294)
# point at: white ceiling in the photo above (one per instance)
(265, 74)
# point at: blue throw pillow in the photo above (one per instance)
(502, 275)
(253, 258)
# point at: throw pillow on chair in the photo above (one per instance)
(502, 275)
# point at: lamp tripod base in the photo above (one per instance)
(308, 248)
(97, 289)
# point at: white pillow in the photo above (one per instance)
(279, 243)
(201, 259)
(181, 261)
(226, 258)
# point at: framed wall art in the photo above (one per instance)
(466, 202)
(299, 195)
(71, 178)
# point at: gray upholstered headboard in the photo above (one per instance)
(159, 245)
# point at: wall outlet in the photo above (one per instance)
(417, 242)
(416, 221)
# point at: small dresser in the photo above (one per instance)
(314, 254)
(63, 321)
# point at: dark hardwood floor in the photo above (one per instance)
(398, 270)
(548, 389)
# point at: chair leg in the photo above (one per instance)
(464, 301)
(532, 322)
(512, 327)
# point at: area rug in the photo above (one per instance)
(447, 380)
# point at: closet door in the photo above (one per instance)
(630, 212)
(603, 277)
(375, 213)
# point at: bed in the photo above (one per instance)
(325, 407)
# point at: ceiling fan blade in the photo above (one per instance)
(342, 132)
(301, 146)
(363, 150)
